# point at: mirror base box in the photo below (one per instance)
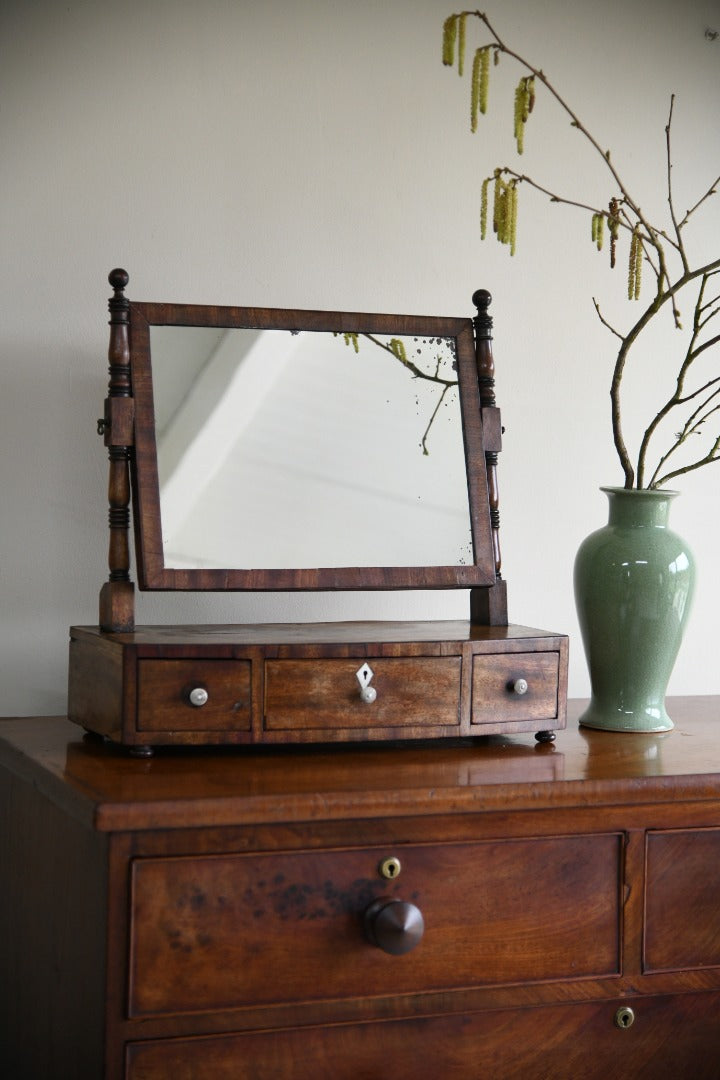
(315, 683)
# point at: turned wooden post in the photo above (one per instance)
(488, 606)
(117, 596)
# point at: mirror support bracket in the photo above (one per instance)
(117, 596)
(488, 606)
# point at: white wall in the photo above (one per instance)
(316, 154)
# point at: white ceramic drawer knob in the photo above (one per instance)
(520, 687)
(198, 696)
(363, 675)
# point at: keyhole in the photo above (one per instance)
(390, 868)
(624, 1017)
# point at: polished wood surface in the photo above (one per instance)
(695, 892)
(321, 695)
(308, 910)
(489, 606)
(223, 786)
(117, 594)
(669, 1041)
(160, 683)
(203, 913)
(296, 683)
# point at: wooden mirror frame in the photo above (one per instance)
(128, 427)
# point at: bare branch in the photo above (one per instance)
(712, 190)
(706, 345)
(700, 390)
(713, 454)
(604, 321)
(650, 245)
(680, 245)
(423, 441)
(677, 398)
(417, 372)
(691, 426)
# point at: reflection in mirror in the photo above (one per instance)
(280, 449)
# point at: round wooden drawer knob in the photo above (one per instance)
(394, 926)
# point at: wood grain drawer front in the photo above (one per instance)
(229, 931)
(670, 1038)
(682, 902)
(496, 682)
(165, 686)
(419, 691)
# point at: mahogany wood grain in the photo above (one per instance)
(488, 908)
(582, 769)
(117, 595)
(156, 638)
(145, 930)
(489, 606)
(164, 688)
(495, 677)
(99, 677)
(297, 682)
(669, 1040)
(682, 927)
(324, 694)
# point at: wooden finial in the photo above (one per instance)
(482, 301)
(483, 324)
(119, 351)
(118, 278)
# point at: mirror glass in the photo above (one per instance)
(280, 448)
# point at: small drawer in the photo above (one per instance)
(515, 686)
(236, 931)
(682, 910)
(165, 695)
(419, 691)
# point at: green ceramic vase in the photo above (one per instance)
(634, 582)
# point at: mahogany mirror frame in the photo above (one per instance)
(129, 431)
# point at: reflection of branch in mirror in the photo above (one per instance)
(396, 348)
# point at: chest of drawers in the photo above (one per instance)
(418, 910)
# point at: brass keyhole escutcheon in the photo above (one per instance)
(624, 1017)
(390, 868)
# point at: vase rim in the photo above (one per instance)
(656, 493)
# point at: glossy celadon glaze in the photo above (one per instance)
(634, 581)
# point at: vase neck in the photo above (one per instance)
(630, 507)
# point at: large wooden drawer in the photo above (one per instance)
(419, 691)
(561, 1042)
(227, 931)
